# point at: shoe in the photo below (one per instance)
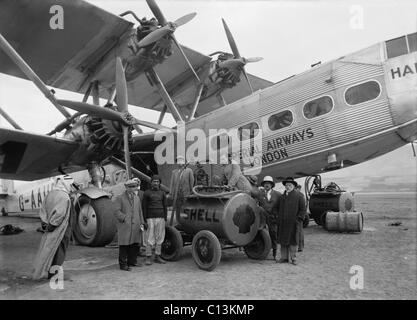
(148, 261)
(281, 260)
(300, 250)
(158, 259)
(294, 262)
(125, 268)
(137, 264)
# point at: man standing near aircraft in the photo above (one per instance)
(269, 202)
(55, 213)
(291, 210)
(182, 183)
(155, 213)
(130, 223)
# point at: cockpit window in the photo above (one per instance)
(396, 47)
(362, 92)
(280, 120)
(318, 107)
(412, 42)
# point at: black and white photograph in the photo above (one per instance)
(208, 150)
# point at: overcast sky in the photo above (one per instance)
(290, 36)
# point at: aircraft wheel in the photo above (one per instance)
(172, 246)
(94, 224)
(306, 221)
(319, 219)
(206, 250)
(260, 247)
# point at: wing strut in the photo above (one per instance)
(196, 101)
(27, 70)
(164, 95)
(9, 119)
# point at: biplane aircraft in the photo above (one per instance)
(336, 114)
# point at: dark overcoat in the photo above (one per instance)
(291, 210)
(129, 218)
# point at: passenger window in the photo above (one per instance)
(221, 141)
(396, 47)
(412, 42)
(280, 120)
(248, 131)
(318, 107)
(362, 92)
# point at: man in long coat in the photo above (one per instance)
(291, 210)
(130, 225)
(182, 183)
(55, 214)
(269, 202)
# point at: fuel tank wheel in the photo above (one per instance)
(306, 221)
(206, 250)
(260, 247)
(172, 246)
(94, 224)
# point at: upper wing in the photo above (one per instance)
(29, 156)
(64, 57)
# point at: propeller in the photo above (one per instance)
(122, 114)
(167, 28)
(238, 62)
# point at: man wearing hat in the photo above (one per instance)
(155, 213)
(130, 223)
(291, 211)
(269, 202)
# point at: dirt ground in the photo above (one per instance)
(386, 253)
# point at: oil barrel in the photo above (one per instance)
(322, 202)
(234, 219)
(349, 221)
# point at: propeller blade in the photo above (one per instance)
(185, 19)
(121, 87)
(126, 151)
(253, 59)
(232, 63)
(157, 12)
(231, 40)
(104, 113)
(155, 36)
(247, 79)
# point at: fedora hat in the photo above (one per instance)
(268, 179)
(290, 180)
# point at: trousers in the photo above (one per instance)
(288, 252)
(128, 255)
(155, 235)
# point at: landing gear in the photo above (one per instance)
(94, 224)
(206, 250)
(260, 247)
(172, 246)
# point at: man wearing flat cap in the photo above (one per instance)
(130, 223)
(269, 202)
(291, 211)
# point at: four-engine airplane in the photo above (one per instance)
(334, 115)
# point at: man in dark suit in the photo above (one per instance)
(291, 211)
(269, 199)
(130, 223)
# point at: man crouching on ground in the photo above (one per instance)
(130, 223)
(155, 213)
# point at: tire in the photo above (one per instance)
(260, 247)
(94, 224)
(172, 246)
(306, 221)
(206, 250)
